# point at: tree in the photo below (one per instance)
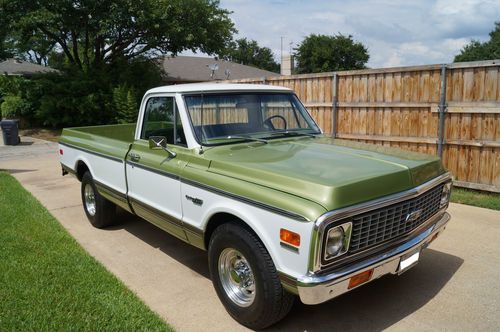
(99, 45)
(125, 103)
(32, 46)
(475, 50)
(77, 98)
(95, 32)
(248, 52)
(4, 51)
(322, 53)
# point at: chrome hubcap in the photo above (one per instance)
(89, 197)
(236, 277)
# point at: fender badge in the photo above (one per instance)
(196, 201)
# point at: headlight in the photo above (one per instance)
(445, 195)
(337, 240)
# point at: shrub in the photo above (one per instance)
(125, 104)
(14, 106)
(14, 93)
(10, 85)
(75, 97)
(71, 99)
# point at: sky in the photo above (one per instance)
(396, 33)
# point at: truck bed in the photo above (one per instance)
(111, 140)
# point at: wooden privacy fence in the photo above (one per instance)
(451, 110)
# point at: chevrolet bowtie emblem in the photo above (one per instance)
(414, 215)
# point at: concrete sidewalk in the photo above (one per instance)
(456, 285)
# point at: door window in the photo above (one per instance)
(161, 119)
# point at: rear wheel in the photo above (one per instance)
(245, 278)
(99, 211)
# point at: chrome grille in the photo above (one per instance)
(380, 225)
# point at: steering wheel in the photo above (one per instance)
(267, 122)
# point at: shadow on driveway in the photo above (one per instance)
(369, 308)
(184, 253)
(380, 304)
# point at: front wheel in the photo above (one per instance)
(99, 211)
(245, 278)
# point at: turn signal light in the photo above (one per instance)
(290, 237)
(360, 278)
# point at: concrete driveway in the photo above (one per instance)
(455, 287)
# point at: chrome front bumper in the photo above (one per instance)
(315, 288)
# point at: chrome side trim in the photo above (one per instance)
(159, 214)
(220, 192)
(318, 288)
(110, 191)
(193, 229)
(114, 196)
(152, 169)
(330, 217)
(245, 200)
(199, 185)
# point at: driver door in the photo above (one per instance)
(153, 174)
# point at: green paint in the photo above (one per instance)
(331, 173)
(112, 140)
(303, 175)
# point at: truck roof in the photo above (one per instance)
(215, 87)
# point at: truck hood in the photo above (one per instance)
(331, 172)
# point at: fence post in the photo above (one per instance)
(442, 111)
(334, 104)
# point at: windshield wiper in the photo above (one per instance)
(292, 133)
(249, 138)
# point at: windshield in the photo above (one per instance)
(229, 118)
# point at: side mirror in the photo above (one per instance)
(157, 142)
(160, 143)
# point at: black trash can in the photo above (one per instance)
(10, 131)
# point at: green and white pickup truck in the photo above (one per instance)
(244, 172)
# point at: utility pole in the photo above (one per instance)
(281, 52)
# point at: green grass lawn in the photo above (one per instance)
(476, 198)
(49, 283)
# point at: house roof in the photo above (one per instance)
(197, 69)
(23, 68)
(217, 87)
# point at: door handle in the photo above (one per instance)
(134, 156)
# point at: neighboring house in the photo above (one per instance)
(23, 68)
(189, 69)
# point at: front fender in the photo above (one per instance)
(264, 223)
